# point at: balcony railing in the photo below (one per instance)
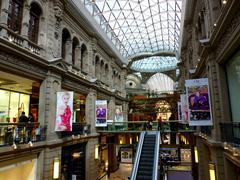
(17, 39)
(77, 129)
(21, 133)
(230, 133)
(138, 126)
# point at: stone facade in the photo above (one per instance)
(210, 39)
(87, 67)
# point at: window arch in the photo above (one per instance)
(75, 46)
(33, 27)
(65, 38)
(15, 11)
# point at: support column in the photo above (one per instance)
(78, 57)
(4, 17)
(90, 109)
(68, 48)
(25, 20)
(111, 108)
(47, 103)
(91, 163)
(125, 111)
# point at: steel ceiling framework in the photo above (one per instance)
(141, 27)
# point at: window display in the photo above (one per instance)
(12, 104)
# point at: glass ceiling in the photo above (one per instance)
(138, 27)
(155, 64)
(160, 83)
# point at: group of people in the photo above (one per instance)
(23, 118)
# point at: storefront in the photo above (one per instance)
(21, 169)
(73, 161)
(17, 95)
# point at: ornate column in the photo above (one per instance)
(90, 109)
(78, 57)
(125, 111)
(111, 108)
(25, 20)
(68, 48)
(4, 17)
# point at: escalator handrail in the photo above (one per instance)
(138, 155)
(156, 156)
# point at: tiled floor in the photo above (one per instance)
(122, 173)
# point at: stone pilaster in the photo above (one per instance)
(47, 103)
(68, 50)
(91, 163)
(49, 155)
(218, 160)
(125, 111)
(111, 108)
(90, 109)
(25, 20)
(203, 164)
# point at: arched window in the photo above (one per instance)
(35, 12)
(75, 45)
(65, 39)
(15, 11)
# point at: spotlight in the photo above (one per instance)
(14, 146)
(30, 144)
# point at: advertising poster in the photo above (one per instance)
(118, 115)
(101, 113)
(199, 105)
(184, 107)
(126, 155)
(64, 114)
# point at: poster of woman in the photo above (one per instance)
(64, 112)
(118, 115)
(199, 106)
(101, 113)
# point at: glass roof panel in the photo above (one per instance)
(155, 64)
(160, 83)
(141, 26)
(140, 21)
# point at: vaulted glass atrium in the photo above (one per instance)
(145, 32)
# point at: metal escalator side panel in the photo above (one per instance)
(138, 155)
(156, 156)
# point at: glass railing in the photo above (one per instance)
(138, 126)
(230, 133)
(77, 130)
(21, 133)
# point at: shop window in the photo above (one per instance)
(33, 27)
(15, 11)
(233, 77)
(79, 108)
(12, 104)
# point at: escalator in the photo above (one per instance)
(146, 160)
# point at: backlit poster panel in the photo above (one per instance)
(184, 107)
(64, 114)
(101, 113)
(126, 155)
(118, 115)
(199, 105)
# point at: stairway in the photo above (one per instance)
(145, 167)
